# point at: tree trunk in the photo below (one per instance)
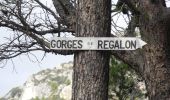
(156, 55)
(91, 68)
(153, 61)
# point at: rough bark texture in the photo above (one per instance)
(153, 61)
(91, 68)
(156, 67)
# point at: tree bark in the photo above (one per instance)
(156, 69)
(153, 61)
(91, 68)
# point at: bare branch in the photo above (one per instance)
(30, 28)
(133, 58)
(131, 6)
(55, 30)
(48, 9)
(130, 31)
(34, 27)
(66, 10)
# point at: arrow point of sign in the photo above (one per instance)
(141, 43)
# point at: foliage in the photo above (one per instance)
(54, 97)
(37, 98)
(60, 79)
(123, 82)
(3, 99)
(67, 82)
(53, 85)
(15, 91)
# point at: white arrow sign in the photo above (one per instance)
(96, 43)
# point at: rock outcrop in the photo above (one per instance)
(49, 84)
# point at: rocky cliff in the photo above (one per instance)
(49, 84)
(55, 84)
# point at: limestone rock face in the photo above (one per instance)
(49, 84)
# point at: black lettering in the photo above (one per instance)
(117, 44)
(80, 44)
(111, 44)
(100, 43)
(133, 44)
(127, 44)
(58, 44)
(64, 42)
(121, 46)
(106, 44)
(69, 44)
(74, 44)
(53, 43)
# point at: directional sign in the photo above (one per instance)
(96, 43)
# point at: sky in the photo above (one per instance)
(10, 77)
(15, 75)
(24, 68)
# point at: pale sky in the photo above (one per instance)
(24, 68)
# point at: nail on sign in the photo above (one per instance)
(96, 43)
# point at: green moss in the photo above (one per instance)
(53, 85)
(67, 82)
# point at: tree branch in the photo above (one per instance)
(66, 10)
(131, 5)
(133, 58)
(55, 30)
(14, 17)
(48, 9)
(130, 31)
